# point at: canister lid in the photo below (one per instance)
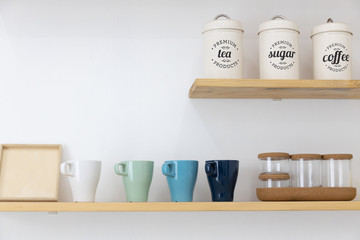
(278, 22)
(330, 26)
(223, 21)
(273, 156)
(277, 176)
(305, 156)
(337, 156)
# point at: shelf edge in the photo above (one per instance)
(177, 206)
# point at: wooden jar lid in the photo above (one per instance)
(337, 156)
(274, 176)
(305, 156)
(274, 156)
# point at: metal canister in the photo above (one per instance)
(222, 48)
(278, 49)
(332, 55)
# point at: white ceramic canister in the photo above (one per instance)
(332, 55)
(278, 49)
(222, 48)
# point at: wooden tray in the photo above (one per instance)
(29, 172)
(306, 194)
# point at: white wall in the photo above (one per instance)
(109, 80)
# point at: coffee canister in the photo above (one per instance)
(332, 55)
(278, 49)
(222, 48)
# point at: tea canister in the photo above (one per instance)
(278, 49)
(336, 170)
(274, 162)
(305, 170)
(274, 180)
(332, 55)
(222, 48)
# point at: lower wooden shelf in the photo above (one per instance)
(177, 206)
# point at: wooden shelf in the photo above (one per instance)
(176, 206)
(275, 89)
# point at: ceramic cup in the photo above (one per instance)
(83, 177)
(222, 176)
(181, 177)
(137, 177)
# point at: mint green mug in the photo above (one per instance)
(137, 177)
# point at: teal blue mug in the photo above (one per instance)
(181, 176)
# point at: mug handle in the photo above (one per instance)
(166, 169)
(210, 169)
(67, 169)
(121, 171)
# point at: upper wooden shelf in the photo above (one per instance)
(275, 89)
(176, 206)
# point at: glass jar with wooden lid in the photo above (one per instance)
(274, 162)
(336, 170)
(275, 180)
(305, 170)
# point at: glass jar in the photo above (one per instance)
(305, 170)
(336, 169)
(274, 162)
(274, 180)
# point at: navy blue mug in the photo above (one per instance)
(222, 176)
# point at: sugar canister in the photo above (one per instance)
(332, 55)
(278, 49)
(222, 48)
(336, 170)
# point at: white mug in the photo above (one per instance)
(84, 178)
